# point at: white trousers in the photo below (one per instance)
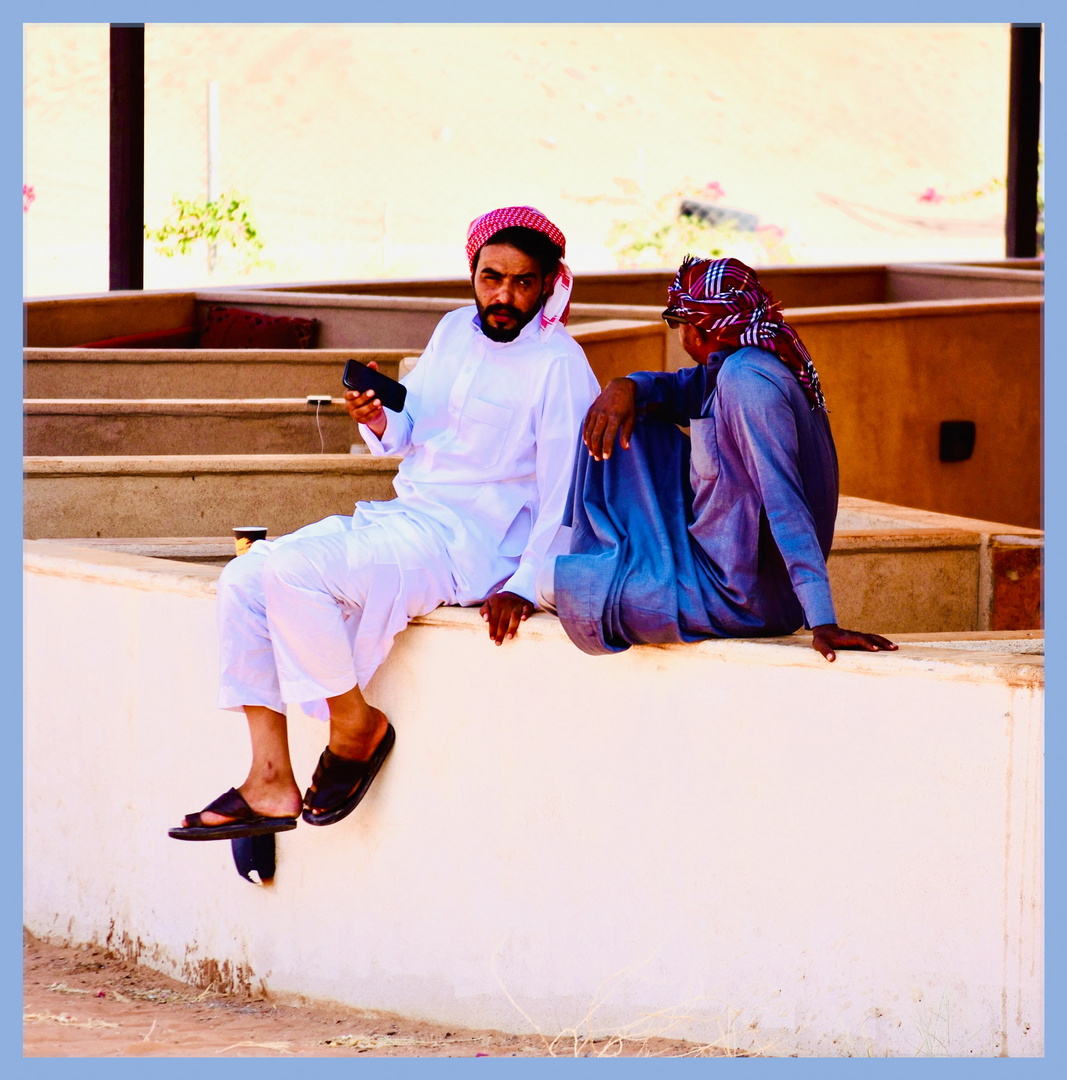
(314, 613)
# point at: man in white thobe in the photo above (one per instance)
(487, 437)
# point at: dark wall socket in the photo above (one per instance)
(957, 440)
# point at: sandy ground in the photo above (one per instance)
(83, 1002)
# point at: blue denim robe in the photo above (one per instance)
(723, 535)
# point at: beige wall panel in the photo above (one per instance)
(614, 348)
(890, 382)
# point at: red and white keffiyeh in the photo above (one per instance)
(724, 295)
(558, 286)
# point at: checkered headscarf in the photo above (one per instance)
(558, 285)
(724, 295)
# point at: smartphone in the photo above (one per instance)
(388, 391)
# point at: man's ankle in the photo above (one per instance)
(358, 742)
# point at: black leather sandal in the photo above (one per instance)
(246, 822)
(340, 783)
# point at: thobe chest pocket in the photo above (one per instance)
(705, 447)
(482, 429)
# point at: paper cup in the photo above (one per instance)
(244, 536)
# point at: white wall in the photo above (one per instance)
(732, 840)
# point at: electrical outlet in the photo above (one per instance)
(319, 399)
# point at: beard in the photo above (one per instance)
(495, 333)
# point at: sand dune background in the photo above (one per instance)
(366, 149)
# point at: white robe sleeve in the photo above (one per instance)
(396, 439)
(570, 389)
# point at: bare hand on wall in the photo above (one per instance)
(829, 637)
(504, 611)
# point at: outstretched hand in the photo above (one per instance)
(365, 408)
(613, 413)
(504, 611)
(829, 636)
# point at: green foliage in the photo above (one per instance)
(660, 237)
(996, 184)
(226, 220)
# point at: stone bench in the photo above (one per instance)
(734, 840)
(892, 570)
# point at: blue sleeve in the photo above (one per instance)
(675, 396)
(761, 420)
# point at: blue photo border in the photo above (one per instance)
(583, 11)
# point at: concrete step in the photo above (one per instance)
(194, 373)
(613, 347)
(67, 427)
(195, 495)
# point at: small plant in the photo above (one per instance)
(225, 220)
(664, 235)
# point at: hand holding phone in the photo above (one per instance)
(361, 378)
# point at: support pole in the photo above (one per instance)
(126, 226)
(1024, 125)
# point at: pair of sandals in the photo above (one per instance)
(337, 788)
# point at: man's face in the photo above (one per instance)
(507, 289)
(699, 344)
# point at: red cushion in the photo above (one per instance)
(235, 328)
(182, 337)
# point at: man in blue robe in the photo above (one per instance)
(725, 534)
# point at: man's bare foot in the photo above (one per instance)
(358, 744)
(340, 781)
